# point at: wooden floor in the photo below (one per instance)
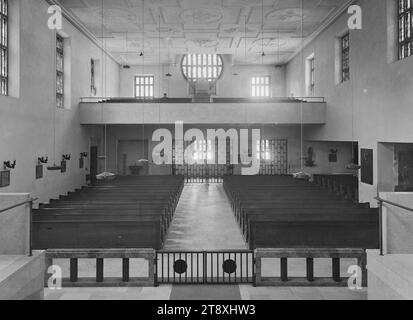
(204, 221)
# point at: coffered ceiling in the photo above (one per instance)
(165, 29)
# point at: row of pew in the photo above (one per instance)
(345, 185)
(281, 212)
(128, 212)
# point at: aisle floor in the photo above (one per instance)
(204, 221)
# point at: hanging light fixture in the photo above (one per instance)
(105, 175)
(143, 30)
(126, 65)
(169, 74)
(142, 162)
(302, 175)
(262, 31)
(353, 165)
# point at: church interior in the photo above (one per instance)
(206, 149)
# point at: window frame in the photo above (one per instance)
(4, 47)
(60, 74)
(257, 87)
(144, 85)
(345, 57)
(202, 66)
(404, 41)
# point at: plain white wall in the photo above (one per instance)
(381, 87)
(27, 121)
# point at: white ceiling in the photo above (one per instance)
(202, 26)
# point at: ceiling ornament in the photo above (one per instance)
(285, 15)
(270, 42)
(201, 16)
(202, 43)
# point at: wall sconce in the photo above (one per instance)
(83, 155)
(9, 164)
(43, 160)
(54, 168)
(66, 157)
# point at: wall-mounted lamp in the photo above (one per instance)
(9, 164)
(54, 168)
(66, 157)
(83, 155)
(43, 160)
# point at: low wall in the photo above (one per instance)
(14, 225)
(397, 224)
(390, 277)
(22, 277)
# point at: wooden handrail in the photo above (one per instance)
(30, 202)
(18, 205)
(394, 204)
(381, 201)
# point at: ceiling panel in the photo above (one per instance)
(244, 28)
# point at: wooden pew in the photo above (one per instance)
(280, 212)
(126, 212)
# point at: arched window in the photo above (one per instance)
(197, 67)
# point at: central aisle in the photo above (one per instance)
(204, 221)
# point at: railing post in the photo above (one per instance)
(284, 269)
(151, 267)
(125, 270)
(310, 269)
(73, 270)
(380, 203)
(99, 270)
(30, 228)
(362, 263)
(258, 269)
(336, 270)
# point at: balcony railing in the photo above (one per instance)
(288, 111)
(191, 100)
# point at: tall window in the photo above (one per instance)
(4, 54)
(345, 57)
(312, 76)
(261, 87)
(60, 44)
(197, 67)
(263, 150)
(405, 15)
(203, 150)
(144, 87)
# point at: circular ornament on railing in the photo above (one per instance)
(180, 266)
(229, 266)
